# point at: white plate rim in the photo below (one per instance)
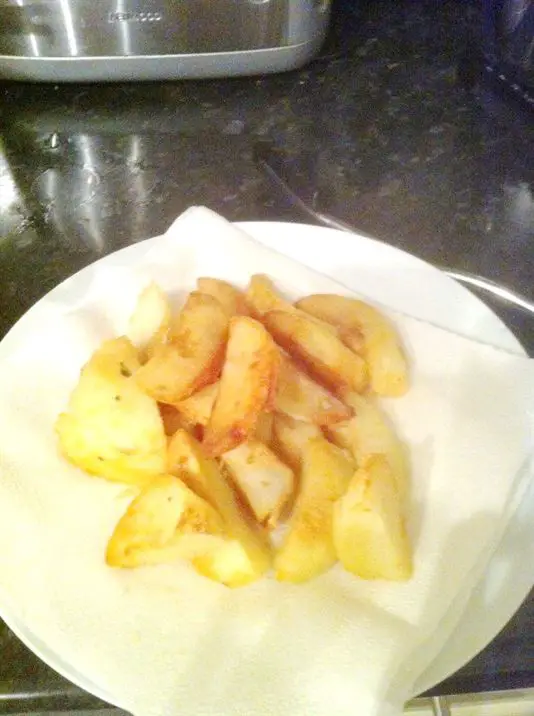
(281, 236)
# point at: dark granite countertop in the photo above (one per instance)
(379, 130)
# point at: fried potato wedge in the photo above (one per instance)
(250, 557)
(232, 300)
(186, 460)
(172, 419)
(264, 428)
(261, 296)
(382, 348)
(265, 482)
(368, 433)
(194, 354)
(302, 398)
(308, 547)
(113, 359)
(111, 428)
(149, 323)
(290, 437)
(196, 409)
(226, 561)
(170, 377)
(369, 532)
(247, 386)
(161, 524)
(325, 357)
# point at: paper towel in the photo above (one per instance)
(163, 640)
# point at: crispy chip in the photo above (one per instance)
(369, 433)
(202, 474)
(290, 437)
(369, 531)
(111, 428)
(262, 296)
(150, 321)
(264, 480)
(308, 548)
(232, 300)
(197, 409)
(300, 397)
(158, 525)
(247, 386)
(365, 329)
(326, 358)
(194, 354)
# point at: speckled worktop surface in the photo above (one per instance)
(379, 130)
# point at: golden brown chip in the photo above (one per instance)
(172, 420)
(265, 481)
(381, 344)
(194, 354)
(308, 547)
(290, 437)
(150, 321)
(232, 300)
(368, 433)
(369, 531)
(196, 410)
(262, 296)
(231, 565)
(264, 428)
(300, 397)
(159, 525)
(111, 428)
(325, 357)
(246, 388)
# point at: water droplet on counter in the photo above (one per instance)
(52, 142)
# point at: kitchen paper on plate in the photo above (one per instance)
(163, 640)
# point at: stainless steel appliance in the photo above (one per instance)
(103, 40)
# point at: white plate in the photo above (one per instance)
(410, 285)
